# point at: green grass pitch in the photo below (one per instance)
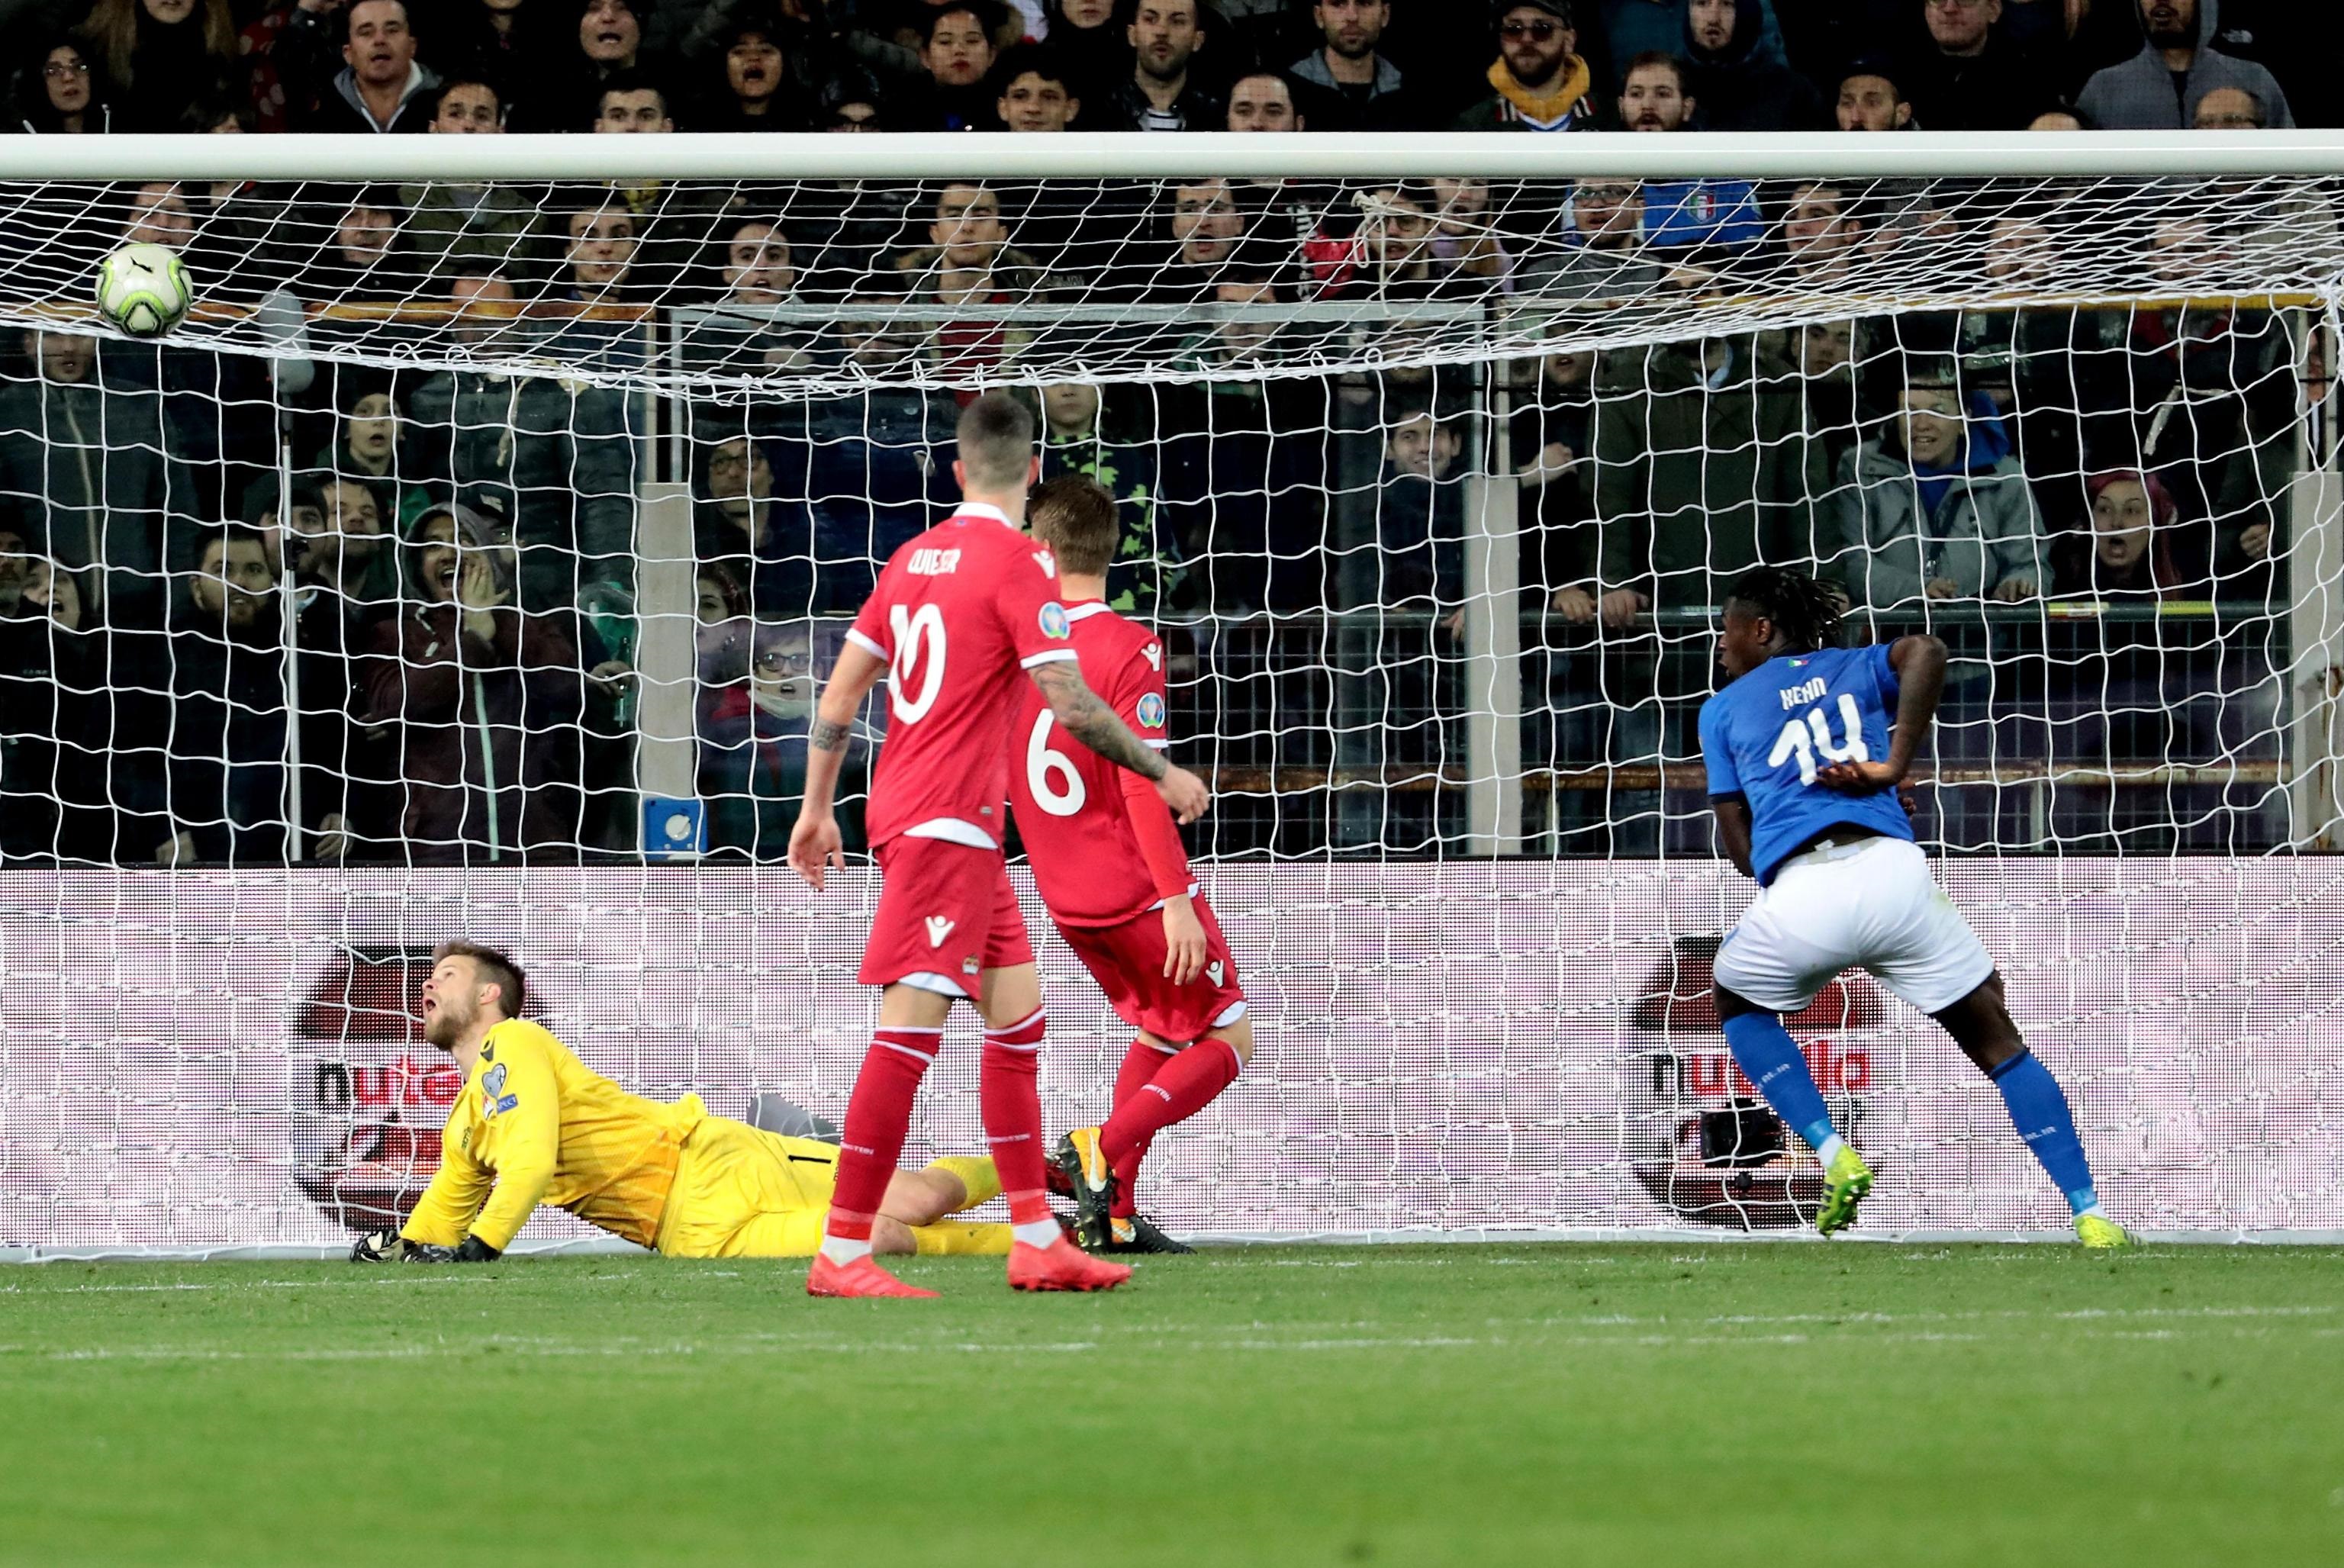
(1492, 1404)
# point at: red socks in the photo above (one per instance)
(1181, 1087)
(1009, 1099)
(878, 1116)
(1140, 1063)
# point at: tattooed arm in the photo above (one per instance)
(1093, 722)
(814, 842)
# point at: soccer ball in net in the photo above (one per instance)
(144, 290)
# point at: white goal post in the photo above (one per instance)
(1435, 489)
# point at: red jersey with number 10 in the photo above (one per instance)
(1071, 811)
(959, 615)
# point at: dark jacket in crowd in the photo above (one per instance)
(227, 748)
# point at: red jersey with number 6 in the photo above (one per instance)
(960, 613)
(1071, 811)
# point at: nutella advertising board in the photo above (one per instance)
(203, 1059)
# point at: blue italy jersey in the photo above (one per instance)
(1766, 737)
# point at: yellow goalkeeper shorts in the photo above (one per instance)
(740, 1192)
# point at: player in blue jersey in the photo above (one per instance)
(1804, 776)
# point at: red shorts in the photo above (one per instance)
(946, 911)
(1127, 961)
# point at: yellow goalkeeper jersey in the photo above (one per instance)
(535, 1125)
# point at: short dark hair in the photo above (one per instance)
(989, 16)
(495, 969)
(637, 80)
(1659, 57)
(1075, 516)
(996, 440)
(1031, 59)
(440, 94)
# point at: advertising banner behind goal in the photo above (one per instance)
(207, 1060)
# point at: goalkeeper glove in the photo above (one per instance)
(380, 1247)
(389, 1246)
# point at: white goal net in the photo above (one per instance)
(467, 562)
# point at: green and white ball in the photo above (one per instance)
(144, 289)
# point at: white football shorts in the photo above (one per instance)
(1867, 905)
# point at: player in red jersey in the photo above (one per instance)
(1109, 860)
(959, 613)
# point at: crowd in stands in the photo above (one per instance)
(425, 648)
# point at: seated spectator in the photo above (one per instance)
(1206, 226)
(1037, 91)
(1420, 520)
(1162, 93)
(57, 92)
(1968, 77)
(1870, 100)
(1936, 508)
(1708, 217)
(967, 266)
(1347, 85)
(2131, 551)
(381, 86)
(162, 55)
(1146, 576)
(362, 263)
(752, 745)
(1262, 101)
(226, 794)
(561, 449)
(1539, 84)
(365, 448)
(2162, 87)
(1738, 86)
(1821, 233)
(957, 53)
(1601, 255)
(740, 527)
(2231, 109)
(483, 701)
(452, 224)
(757, 92)
(87, 477)
(750, 266)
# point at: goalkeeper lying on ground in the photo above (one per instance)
(534, 1126)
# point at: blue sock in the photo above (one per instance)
(1770, 1058)
(2039, 1111)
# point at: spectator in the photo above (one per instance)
(1549, 438)
(1602, 255)
(1146, 576)
(2130, 552)
(1161, 94)
(669, 222)
(504, 43)
(1738, 87)
(607, 42)
(850, 103)
(631, 104)
(1632, 28)
(58, 92)
(483, 699)
(2231, 109)
(769, 544)
(1870, 100)
(1821, 233)
(1968, 78)
(345, 582)
(1347, 85)
(1037, 93)
(1705, 216)
(1466, 239)
(1539, 84)
(85, 470)
(1420, 520)
(561, 449)
(751, 270)
(756, 94)
(957, 53)
(869, 462)
(380, 87)
(1243, 473)
(335, 532)
(366, 447)
(753, 739)
(1936, 508)
(1395, 249)
(1263, 101)
(456, 223)
(967, 266)
(362, 263)
(227, 799)
(1205, 228)
(2162, 87)
(162, 55)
